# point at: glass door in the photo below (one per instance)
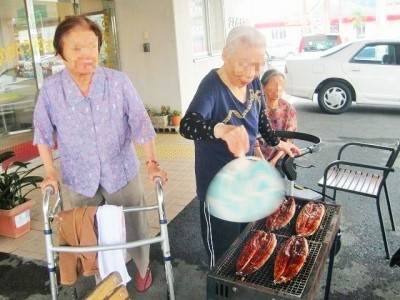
(27, 55)
(103, 13)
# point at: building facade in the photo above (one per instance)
(165, 46)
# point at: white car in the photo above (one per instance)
(281, 51)
(362, 71)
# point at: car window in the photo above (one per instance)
(318, 42)
(374, 54)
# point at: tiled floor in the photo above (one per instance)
(176, 157)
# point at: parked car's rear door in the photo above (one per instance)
(375, 76)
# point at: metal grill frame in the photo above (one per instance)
(222, 283)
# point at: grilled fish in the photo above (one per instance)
(282, 216)
(309, 218)
(290, 259)
(255, 253)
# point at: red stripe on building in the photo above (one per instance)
(393, 17)
(334, 21)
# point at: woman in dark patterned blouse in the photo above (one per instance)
(223, 119)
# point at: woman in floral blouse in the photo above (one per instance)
(95, 115)
(280, 113)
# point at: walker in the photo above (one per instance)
(51, 250)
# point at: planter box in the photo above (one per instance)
(159, 121)
(17, 221)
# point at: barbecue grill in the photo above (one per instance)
(223, 283)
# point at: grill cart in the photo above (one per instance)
(223, 283)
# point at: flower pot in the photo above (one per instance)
(159, 121)
(175, 120)
(17, 221)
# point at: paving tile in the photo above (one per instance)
(7, 245)
(29, 254)
(36, 245)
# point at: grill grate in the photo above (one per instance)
(265, 275)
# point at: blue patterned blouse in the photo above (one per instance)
(94, 133)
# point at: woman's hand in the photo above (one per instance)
(153, 171)
(276, 157)
(288, 148)
(50, 179)
(236, 137)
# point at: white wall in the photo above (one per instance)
(168, 74)
(155, 73)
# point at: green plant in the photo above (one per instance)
(151, 111)
(12, 182)
(165, 110)
(176, 113)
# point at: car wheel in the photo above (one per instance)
(290, 55)
(334, 98)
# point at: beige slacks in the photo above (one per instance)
(136, 224)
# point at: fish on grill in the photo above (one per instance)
(309, 218)
(290, 259)
(256, 252)
(282, 216)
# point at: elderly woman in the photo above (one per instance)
(223, 119)
(94, 114)
(280, 113)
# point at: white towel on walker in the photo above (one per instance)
(111, 230)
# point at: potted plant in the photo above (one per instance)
(175, 118)
(150, 111)
(165, 110)
(15, 184)
(159, 119)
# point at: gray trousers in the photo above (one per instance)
(137, 227)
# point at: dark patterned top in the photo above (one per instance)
(214, 103)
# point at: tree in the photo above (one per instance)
(358, 21)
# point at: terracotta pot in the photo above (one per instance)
(175, 120)
(17, 221)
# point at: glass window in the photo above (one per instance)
(27, 55)
(207, 27)
(217, 35)
(279, 34)
(374, 54)
(18, 85)
(360, 31)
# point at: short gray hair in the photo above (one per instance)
(268, 74)
(244, 35)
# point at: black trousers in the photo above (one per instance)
(222, 235)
